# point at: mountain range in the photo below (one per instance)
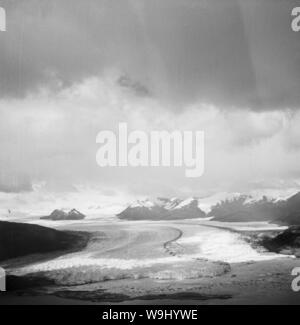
(234, 208)
(58, 215)
(163, 209)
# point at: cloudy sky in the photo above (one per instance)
(71, 68)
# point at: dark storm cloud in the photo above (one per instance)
(134, 86)
(232, 53)
(58, 43)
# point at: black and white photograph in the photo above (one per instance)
(149, 153)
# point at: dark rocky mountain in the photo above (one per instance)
(163, 209)
(244, 208)
(142, 213)
(290, 214)
(57, 215)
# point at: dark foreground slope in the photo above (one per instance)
(286, 242)
(18, 239)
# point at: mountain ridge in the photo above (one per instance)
(162, 209)
(235, 208)
(58, 215)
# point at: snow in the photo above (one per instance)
(185, 203)
(142, 203)
(225, 246)
(246, 226)
(172, 203)
(198, 241)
